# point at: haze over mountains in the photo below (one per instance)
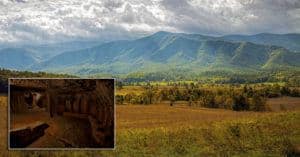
(160, 52)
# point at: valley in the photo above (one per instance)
(181, 94)
(188, 78)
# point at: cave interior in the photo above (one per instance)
(61, 113)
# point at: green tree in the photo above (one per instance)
(119, 84)
(258, 103)
(240, 103)
(149, 93)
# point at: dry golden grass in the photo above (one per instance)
(3, 123)
(288, 103)
(163, 115)
(3, 100)
(130, 89)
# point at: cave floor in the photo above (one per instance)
(63, 131)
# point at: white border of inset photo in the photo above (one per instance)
(37, 78)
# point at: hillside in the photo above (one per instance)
(46, 51)
(163, 51)
(22, 57)
(288, 41)
(17, 58)
(159, 52)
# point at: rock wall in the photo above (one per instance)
(21, 103)
(22, 137)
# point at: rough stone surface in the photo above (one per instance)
(22, 137)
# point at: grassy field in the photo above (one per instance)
(284, 103)
(162, 115)
(161, 130)
(129, 89)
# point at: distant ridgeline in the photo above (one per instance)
(5, 74)
(168, 56)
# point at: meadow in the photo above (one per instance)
(180, 130)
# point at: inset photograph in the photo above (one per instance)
(61, 114)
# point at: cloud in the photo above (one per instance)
(62, 20)
(234, 16)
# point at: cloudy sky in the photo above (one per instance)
(62, 20)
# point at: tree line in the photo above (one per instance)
(233, 97)
(5, 74)
(217, 76)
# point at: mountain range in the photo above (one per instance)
(161, 51)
